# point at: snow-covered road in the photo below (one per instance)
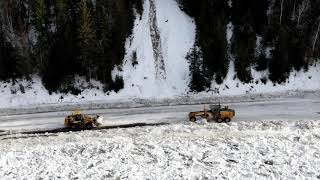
(307, 108)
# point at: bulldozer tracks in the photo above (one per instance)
(54, 132)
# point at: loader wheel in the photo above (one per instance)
(89, 126)
(193, 119)
(227, 120)
(219, 120)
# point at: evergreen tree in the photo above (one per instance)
(40, 24)
(40, 13)
(211, 18)
(199, 81)
(249, 18)
(138, 5)
(87, 38)
(64, 51)
(2, 47)
(15, 60)
(103, 19)
(61, 14)
(122, 27)
(244, 49)
(279, 65)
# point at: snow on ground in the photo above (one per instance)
(298, 80)
(239, 150)
(229, 33)
(35, 95)
(26, 93)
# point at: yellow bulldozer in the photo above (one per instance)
(78, 120)
(216, 112)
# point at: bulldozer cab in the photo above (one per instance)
(76, 112)
(78, 116)
(215, 107)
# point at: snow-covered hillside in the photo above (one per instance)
(161, 40)
(240, 150)
(155, 67)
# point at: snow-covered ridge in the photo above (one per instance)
(239, 150)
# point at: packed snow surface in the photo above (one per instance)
(238, 150)
(305, 107)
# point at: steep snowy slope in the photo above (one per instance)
(155, 66)
(161, 40)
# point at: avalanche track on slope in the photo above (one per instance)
(155, 64)
(156, 42)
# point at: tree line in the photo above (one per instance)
(273, 35)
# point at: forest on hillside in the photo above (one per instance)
(274, 35)
(59, 39)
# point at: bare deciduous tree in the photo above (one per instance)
(303, 7)
(316, 36)
(293, 16)
(281, 11)
(7, 13)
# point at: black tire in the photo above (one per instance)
(207, 116)
(227, 120)
(89, 126)
(219, 120)
(193, 119)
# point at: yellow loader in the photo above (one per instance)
(78, 120)
(214, 113)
